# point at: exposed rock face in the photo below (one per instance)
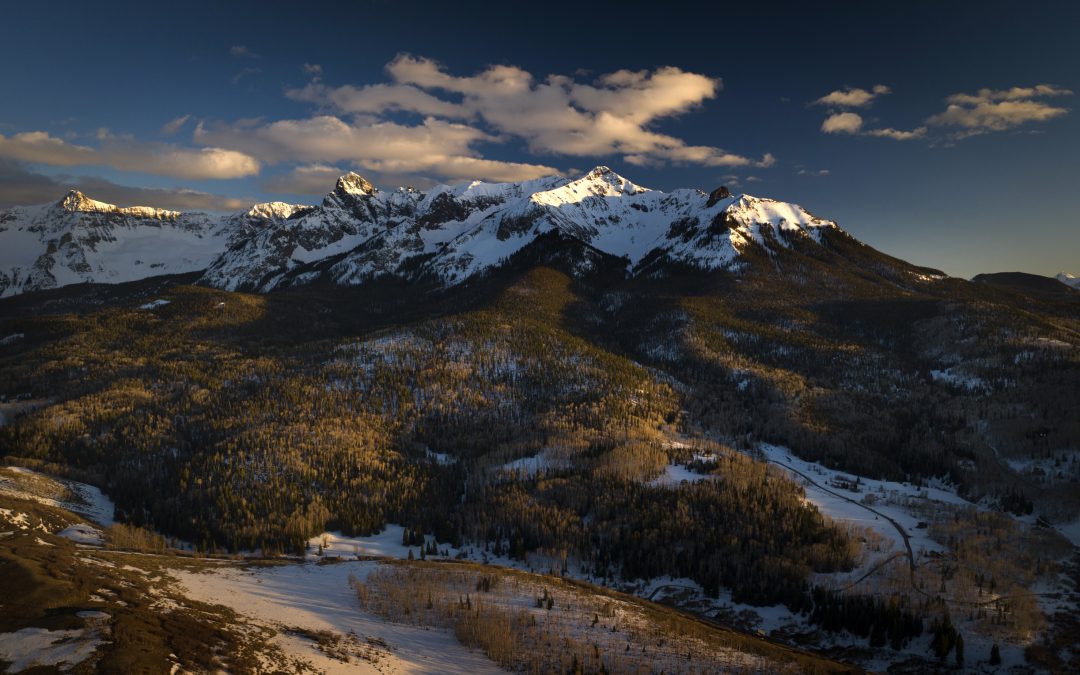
(716, 195)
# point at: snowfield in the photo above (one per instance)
(316, 598)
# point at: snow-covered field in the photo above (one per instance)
(315, 597)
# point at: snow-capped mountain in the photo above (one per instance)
(452, 233)
(358, 232)
(1068, 279)
(80, 240)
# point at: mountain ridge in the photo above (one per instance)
(448, 234)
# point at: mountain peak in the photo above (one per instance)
(601, 181)
(353, 183)
(77, 201)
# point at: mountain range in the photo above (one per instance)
(446, 235)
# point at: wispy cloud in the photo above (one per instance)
(999, 110)
(969, 114)
(171, 127)
(127, 154)
(19, 185)
(242, 52)
(244, 72)
(852, 123)
(853, 97)
(307, 179)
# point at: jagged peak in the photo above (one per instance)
(600, 182)
(353, 183)
(271, 210)
(77, 201)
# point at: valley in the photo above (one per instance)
(319, 441)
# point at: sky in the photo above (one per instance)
(945, 134)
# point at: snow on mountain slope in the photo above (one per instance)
(449, 233)
(1068, 279)
(79, 239)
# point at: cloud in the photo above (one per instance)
(126, 154)
(850, 97)
(171, 127)
(378, 98)
(313, 69)
(558, 115)
(842, 123)
(812, 172)
(897, 134)
(242, 52)
(435, 146)
(998, 110)
(20, 186)
(852, 123)
(308, 179)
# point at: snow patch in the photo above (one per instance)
(38, 647)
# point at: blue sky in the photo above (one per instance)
(946, 136)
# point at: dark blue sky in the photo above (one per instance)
(989, 186)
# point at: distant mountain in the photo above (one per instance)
(1068, 279)
(445, 235)
(79, 240)
(1030, 284)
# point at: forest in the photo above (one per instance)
(531, 414)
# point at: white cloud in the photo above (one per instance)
(852, 123)
(842, 123)
(558, 115)
(126, 154)
(173, 126)
(851, 97)
(999, 110)
(435, 146)
(424, 122)
(811, 172)
(40, 147)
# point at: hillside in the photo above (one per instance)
(604, 394)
